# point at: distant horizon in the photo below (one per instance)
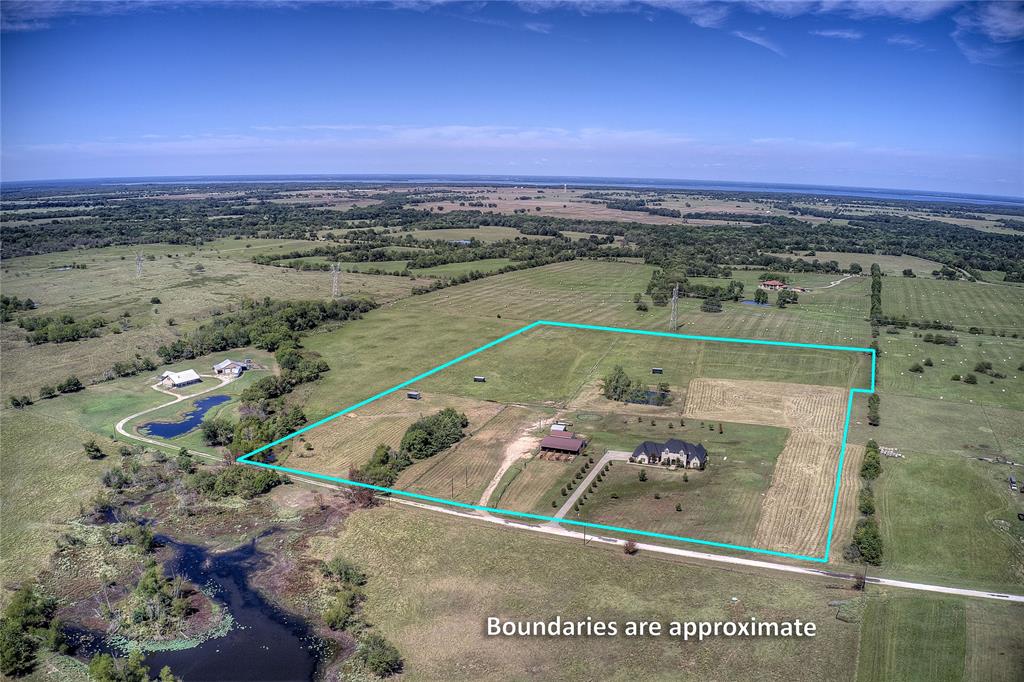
(652, 183)
(849, 94)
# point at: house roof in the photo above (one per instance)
(181, 377)
(674, 446)
(225, 364)
(562, 443)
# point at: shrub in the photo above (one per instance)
(642, 476)
(916, 367)
(866, 501)
(379, 655)
(92, 450)
(343, 570)
(970, 379)
(872, 467)
(868, 541)
(630, 548)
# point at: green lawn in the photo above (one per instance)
(455, 269)
(906, 638)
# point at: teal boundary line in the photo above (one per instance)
(245, 459)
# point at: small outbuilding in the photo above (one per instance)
(179, 379)
(657, 370)
(229, 367)
(413, 395)
(479, 380)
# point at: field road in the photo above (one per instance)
(833, 283)
(611, 455)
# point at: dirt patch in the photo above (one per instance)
(795, 511)
(518, 449)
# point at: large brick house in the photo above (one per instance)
(674, 451)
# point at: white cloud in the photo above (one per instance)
(1000, 22)
(839, 33)
(759, 40)
(905, 41)
(538, 27)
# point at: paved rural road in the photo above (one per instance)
(119, 427)
(611, 455)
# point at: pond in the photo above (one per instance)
(190, 421)
(265, 642)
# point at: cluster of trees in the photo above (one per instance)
(867, 539)
(268, 324)
(239, 480)
(425, 438)
(875, 313)
(12, 304)
(107, 668)
(61, 329)
(643, 206)
(430, 435)
(28, 623)
(620, 387)
(663, 283)
(128, 368)
(785, 297)
(874, 416)
(344, 583)
(158, 604)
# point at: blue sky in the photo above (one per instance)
(878, 94)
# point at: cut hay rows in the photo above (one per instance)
(350, 440)
(795, 511)
(846, 509)
(468, 467)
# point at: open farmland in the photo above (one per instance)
(796, 507)
(191, 286)
(964, 304)
(891, 265)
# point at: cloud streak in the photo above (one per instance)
(760, 41)
(839, 34)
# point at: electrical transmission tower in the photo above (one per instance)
(138, 264)
(335, 272)
(674, 323)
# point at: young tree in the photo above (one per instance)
(379, 655)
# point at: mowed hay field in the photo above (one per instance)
(966, 304)
(796, 509)
(350, 440)
(416, 334)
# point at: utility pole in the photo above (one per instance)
(138, 263)
(674, 323)
(335, 271)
